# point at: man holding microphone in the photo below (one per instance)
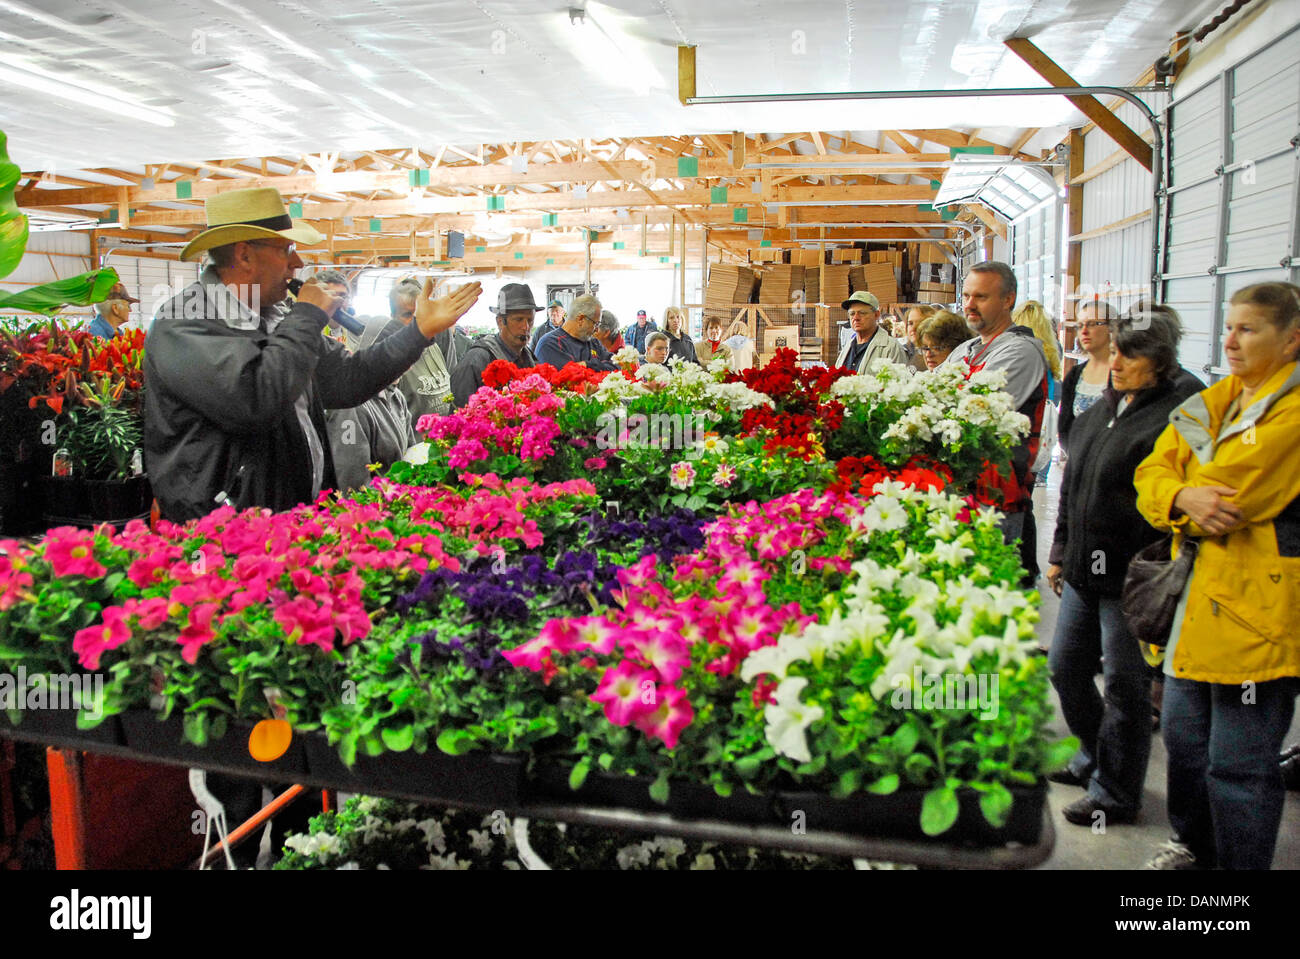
(238, 386)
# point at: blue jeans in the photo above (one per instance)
(1115, 731)
(1225, 783)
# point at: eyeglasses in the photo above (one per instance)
(1090, 324)
(288, 251)
(933, 349)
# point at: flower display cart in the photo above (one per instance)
(673, 600)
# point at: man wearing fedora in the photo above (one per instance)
(238, 385)
(515, 311)
(574, 341)
(869, 341)
(111, 315)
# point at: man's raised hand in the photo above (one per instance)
(433, 316)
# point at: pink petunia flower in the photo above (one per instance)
(627, 691)
(71, 552)
(671, 715)
(197, 632)
(92, 642)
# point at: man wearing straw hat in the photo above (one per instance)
(238, 384)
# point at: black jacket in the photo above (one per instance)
(1065, 418)
(219, 412)
(1098, 526)
(681, 346)
(467, 377)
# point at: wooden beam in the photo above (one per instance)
(988, 218)
(1024, 138)
(1074, 224)
(1111, 227)
(901, 140)
(1091, 107)
(1101, 166)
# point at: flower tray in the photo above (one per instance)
(476, 779)
(687, 800)
(166, 740)
(548, 782)
(58, 727)
(898, 816)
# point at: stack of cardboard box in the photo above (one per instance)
(728, 284)
(846, 256)
(780, 283)
(837, 288)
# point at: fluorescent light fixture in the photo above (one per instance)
(83, 94)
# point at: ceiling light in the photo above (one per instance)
(83, 94)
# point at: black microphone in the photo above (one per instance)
(343, 315)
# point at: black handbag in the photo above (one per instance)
(1152, 587)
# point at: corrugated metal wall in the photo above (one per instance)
(1234, 192)
(1117, 265)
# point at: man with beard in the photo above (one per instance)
(515, 312)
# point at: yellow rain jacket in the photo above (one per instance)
(1242, 618)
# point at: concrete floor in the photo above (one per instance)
(1125, 846)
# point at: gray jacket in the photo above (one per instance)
(468, 375)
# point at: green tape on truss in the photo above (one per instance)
(663, 259)
(718, 194)
(295, 210)
(688, 166)
(417, 177)
(519, 256)
(550, 219)
(184, 189)
(953, 151)
(765, 243)
(480, 249)
(376, 225)
(740, 215)
(550, 261)
(620, 246)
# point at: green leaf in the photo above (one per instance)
(659, 788)
(939, 810)
(196, 728)
(995, 804)
(1059, 753)
(905, 740)
(885, 785)
(80, 290)
(348, 749)
(605, 760)
(455, 742)
(398, 740)
(578, 774)
(695, 502)
(13, 224)
(85, 722)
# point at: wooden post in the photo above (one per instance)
(1074, 251)
(682, 289)
(685, 72)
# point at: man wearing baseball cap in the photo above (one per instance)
(515, 312)
(112, 313)
(555, 316)
(635, 335)
(869, 342)
(238, 385)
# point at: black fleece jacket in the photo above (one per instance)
(1098, 526)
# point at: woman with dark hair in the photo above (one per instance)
(1098, 531)
(1226, 472)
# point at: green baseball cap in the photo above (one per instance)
(862, 296)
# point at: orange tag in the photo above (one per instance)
(269, 740)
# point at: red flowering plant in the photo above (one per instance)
(800, 417)
(574, 377)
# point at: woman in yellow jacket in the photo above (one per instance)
(1227, 471)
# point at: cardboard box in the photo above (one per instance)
(779, 338)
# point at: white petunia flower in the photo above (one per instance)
(788, 719)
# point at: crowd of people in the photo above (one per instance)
(248, 404)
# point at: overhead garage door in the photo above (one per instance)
(1036, 254)
(1234, 187)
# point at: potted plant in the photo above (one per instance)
(103, 438)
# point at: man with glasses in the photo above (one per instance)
(238, 385)
(869, 342)
(515, 312)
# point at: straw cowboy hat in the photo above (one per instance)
(248, 215)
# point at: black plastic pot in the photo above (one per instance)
(114, 500)
(20, 496)
(166, 740)
(687, 800)
(549, 782)
(58, 727)
(475, 779)
(898, 816)
(65, 498)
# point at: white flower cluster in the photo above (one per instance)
(936, 402)
(951, 613)
(627, 356)
(684, 380)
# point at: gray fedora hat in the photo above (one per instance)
(516, 296)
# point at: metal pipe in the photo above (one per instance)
(890, 224)
(1124, 93)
